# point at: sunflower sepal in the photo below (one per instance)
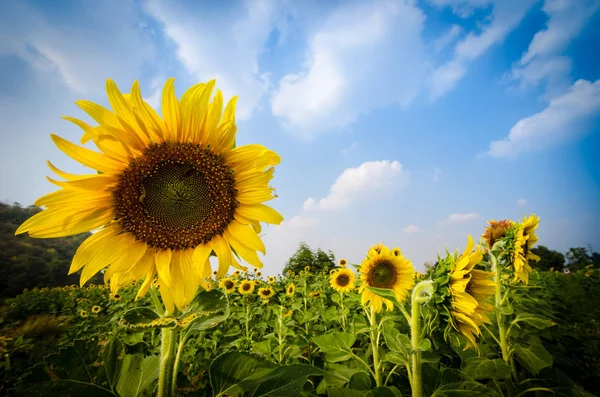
(140, 318)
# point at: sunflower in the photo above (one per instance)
(258, 274)
(265, 293)
(290, 290)
(383, 268)
(342, 280)
(83, 313)
(465, 292)
(246, 287)
(96, 309)
(306, 268)
(343, 262)
(228, 284)
(315, 294)
(165, 193)
(115, 297)
(333, 271)
(271, 279)
(496, 231)
(237, 273)
(524, 242)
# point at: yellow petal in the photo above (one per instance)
(96, 182)
(79, 259)
(246, 253)
(65, 175)
(99, 113)
(95, 160)
(147, 281)
(89, 131)
(125, 263)
(66, 221)
(149, 117)
(223, 251)
(124, 113)
(255, 196)
(167, 295)
(105, 252)
(162, 259)
(245, 235)
(214, 115)
(200, 256)
(67, 197)
(171, 111)
(261, 213)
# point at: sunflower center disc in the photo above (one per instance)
(383, 275)
(176, 195)
(343, 280)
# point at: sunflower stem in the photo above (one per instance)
(375, 345)
(166, 378)
(343, 316)
(420, 294)
(180, 346)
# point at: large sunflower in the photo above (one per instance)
(496, 231)
(165, 193)
(385, 268)
(469, 290)
(342, 280)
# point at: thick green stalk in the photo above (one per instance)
(166, 378)
(420, 294)
(415, 333)
(343, 317)
(375, 344)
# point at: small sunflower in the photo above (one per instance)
(306, 268)
(290, 290)
(315, 294)
(246, 287)
(288, 314)
(291, 273)
(258, 274)
(237, 273)
(343, 262)
(228, 284)
(265, 293)
(83, 313)
(383, 268)
(333, 271)
(271, 279)
(165, 193)
(342, 280)
(115, 297)
(496, 231)
(96, 309)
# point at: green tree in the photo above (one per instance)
(548, 259)
(578, 258)
(304, 256)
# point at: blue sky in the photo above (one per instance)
(406, 122)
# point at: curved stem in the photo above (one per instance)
(180, 346)
(387, 379)
(421, 293)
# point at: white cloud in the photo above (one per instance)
(447, 38)
(410, 229)
(336, 85)
(522, 202)
(541, 62)
(462, 8)
(567, 117)
(368, 180)
(224, 45)
(76, 53)
(505, 16)
(456, 217)
(349, 148)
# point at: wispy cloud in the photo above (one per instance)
(567, 117)
(410, 229)
(522, 202)
(457, 217)
(335, 85)
(368, 180)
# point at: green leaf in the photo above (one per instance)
(533, 357)
(213, 301)
(336, 346)
(203, 322)
(345, 393)
(138, 375)
(537, 322)
(484, 368)
(75, 370)
(112, 356)
(424, 345)
(360, 380)
(386, 293)
(383, 391)
(397, 358)
(237, 373)
(338, 374)
(145, 318)
(464, 389)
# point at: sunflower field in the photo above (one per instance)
(176, 209)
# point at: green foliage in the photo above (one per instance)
(305, 256)
(579, 258)
(549, 259)
(26, 262)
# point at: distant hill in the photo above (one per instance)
(27, 262)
